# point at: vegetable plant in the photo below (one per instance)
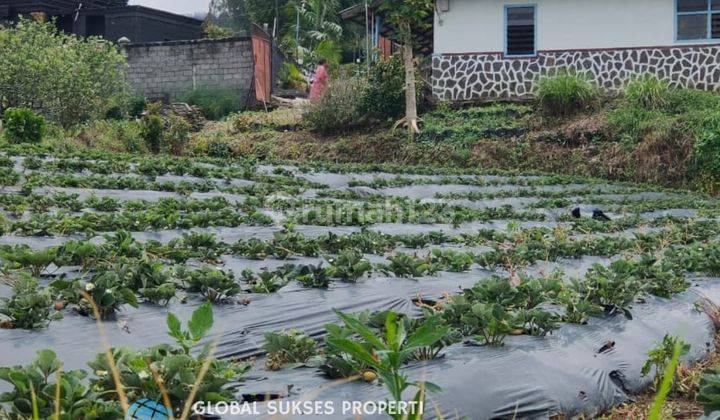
(31, 306)
(213, 284)
(288, 349)
(348, 265)
(35, 386)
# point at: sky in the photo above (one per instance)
(184, 7)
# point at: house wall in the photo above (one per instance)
(478, 25)
(610, 41)
(167, 70)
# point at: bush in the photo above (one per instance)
(136, 106)
(22, 125)
(219, 148)
(338, 109)
(384, 95)
(177, 134)
(72, 78)
(124, 105)
(648, 91)
(565, 94)
(152, 128)
(291, 77)
(215, 103)
(706, 154)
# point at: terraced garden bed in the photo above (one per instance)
(525, 296)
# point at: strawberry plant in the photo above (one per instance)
(406, 265)
(30, 307)
(288, 349)
(34, 387)
(267, 281)
(349, 265)
(21, 256)
(213, 284)
(107, 289)
(612, 288)
(312, 276)
(451, 260)
(176, 367)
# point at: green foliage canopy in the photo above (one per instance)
(71, 79)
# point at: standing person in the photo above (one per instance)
(321, 80)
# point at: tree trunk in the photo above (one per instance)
(411, 117)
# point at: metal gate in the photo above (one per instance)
(262, 55)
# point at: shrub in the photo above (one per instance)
(565, 94)
(706, 154)
(215, 103)
(152, 128)
(291, 77)
(71, 78)
(338, 109)
(177, 134)
(219, 148)
(648, 91)
(111, 135)
(383, 97)
(22, 125)
(136, 106)
(124, 105)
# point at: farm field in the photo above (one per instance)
(546, 291)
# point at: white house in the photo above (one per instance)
(484, 49)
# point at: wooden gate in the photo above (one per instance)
(262, 55)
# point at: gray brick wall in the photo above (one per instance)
(167, 70)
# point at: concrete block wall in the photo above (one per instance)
(168, 70)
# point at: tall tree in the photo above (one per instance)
(408, 17)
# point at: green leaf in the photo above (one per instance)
(129, 297)
(173, 324)
(201, 321)
(360, 328)
(354, 349)
(47, 361)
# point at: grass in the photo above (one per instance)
(565, 94)
(680, 405)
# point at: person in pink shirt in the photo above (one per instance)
(321, 80)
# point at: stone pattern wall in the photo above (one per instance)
(492, 76)
(167, 70)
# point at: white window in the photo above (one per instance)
(698, 19)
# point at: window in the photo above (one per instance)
(698, 19)
(520, 30)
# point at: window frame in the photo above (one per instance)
(708, 13)
(506, 8)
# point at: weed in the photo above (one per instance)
(388, 352)
(565, 94)
(659, 358)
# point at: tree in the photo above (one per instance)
(65, 78)
(408, 17)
